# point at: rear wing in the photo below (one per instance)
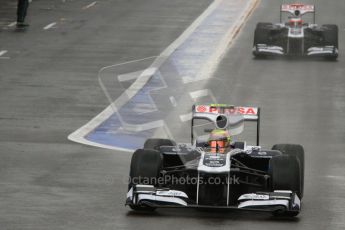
(297, 10)
(249, 113)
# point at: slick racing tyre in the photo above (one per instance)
(145, 168)
(285, 174)
(261, 36)
(331, 35)
(156, 143)
(296, 151)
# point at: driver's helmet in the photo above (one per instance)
(295, 22)
(219, 140)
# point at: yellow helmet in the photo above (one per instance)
(219, 140)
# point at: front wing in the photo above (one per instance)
(320, 51)
(278, 201)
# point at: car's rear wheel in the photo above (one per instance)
(156, 143)
(145, 169)
(296, 151)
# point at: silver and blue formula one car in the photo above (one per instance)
(217, 171)
(296, 37)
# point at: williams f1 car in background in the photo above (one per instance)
(296, 37)
(207, 173)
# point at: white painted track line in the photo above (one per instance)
(2, 52)
(199, 93)
(173, 101)
(49, 26)
(129, 76)
(186, 117)
(90, 5)
(12, 24)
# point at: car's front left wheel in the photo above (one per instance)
(145, 169)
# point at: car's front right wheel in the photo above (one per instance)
(298, 152)
(285, 173)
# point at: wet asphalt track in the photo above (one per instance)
(49, 88)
